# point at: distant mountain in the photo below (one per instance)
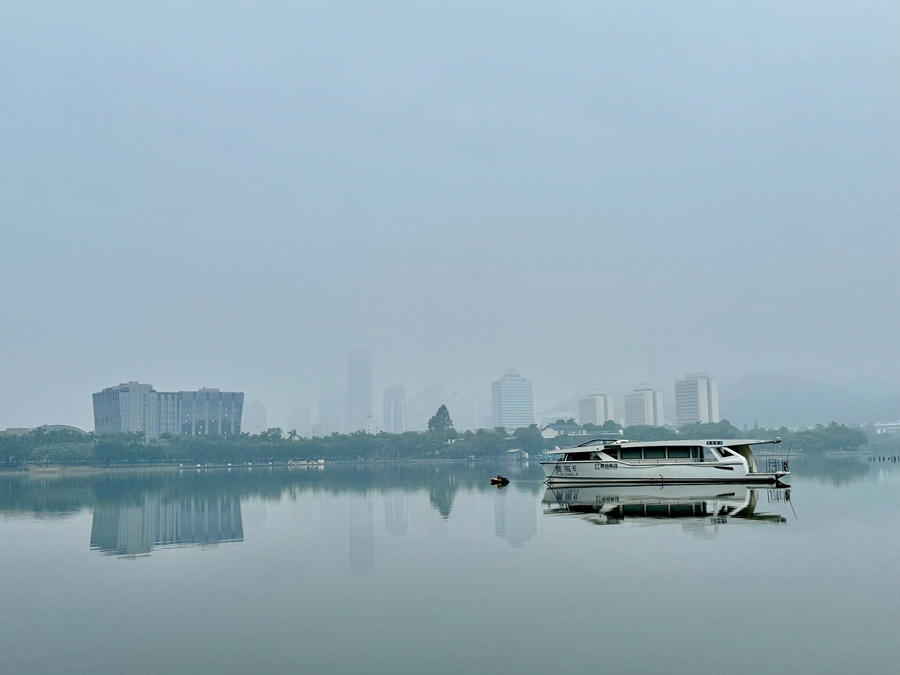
(792, 401)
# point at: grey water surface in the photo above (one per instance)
(426, 568)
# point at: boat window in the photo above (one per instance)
(679, 453)
(725, 452)
(654, 453)
(708, 454)
(579, 456)
(696, 453)
(631, 453)
(596, 456)
(612, 453)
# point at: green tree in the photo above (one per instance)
(609, 426)
(646, 432)
(528, 439)
(723, 429)
(441, 422)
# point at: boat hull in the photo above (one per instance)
(620, 473)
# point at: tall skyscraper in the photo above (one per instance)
(596, 408)
(644, 406)
(394, 419)
(512, 401)
(696, 399)
(135, 407)
(359, 388)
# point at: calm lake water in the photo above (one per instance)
(428, 569)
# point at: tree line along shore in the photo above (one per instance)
(440, 441)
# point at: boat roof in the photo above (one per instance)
(712, 442)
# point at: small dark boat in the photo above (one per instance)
(500, 480)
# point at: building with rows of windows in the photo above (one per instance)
(136, 407)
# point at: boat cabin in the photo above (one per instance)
(654, 451)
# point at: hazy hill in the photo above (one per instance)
(775, 400)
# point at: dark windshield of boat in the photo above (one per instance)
(582, 456)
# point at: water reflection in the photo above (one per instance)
(362, 535)
(515, 516)
(134, 529)
(441, 491)
(701, 508)
(396, 514)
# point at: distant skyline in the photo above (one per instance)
(768, 400)
(601, 193)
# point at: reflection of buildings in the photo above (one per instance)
(135, 407)
(396, 513)
(362, 535)
(515, 516)
(134, 529)
(696, 399)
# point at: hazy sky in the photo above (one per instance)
(236, 194)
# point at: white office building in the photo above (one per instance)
(136, 407)
(644, 406)
(596, 408)
(512, 401)
(696, 399)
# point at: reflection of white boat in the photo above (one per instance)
(602, 462)
(608, 504)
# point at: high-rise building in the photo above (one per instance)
(696, 399)
(512, 401)
(394, 419)
(359, 389)
(596, 408)
(136, 407)
(130, 407)
(644, 406)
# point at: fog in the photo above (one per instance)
(236, 195)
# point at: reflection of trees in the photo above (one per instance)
(67, 494)
(441, 492)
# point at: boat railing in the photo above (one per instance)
(776, 465)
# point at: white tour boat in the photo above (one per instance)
(617, 461)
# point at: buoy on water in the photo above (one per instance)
(500, 481)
